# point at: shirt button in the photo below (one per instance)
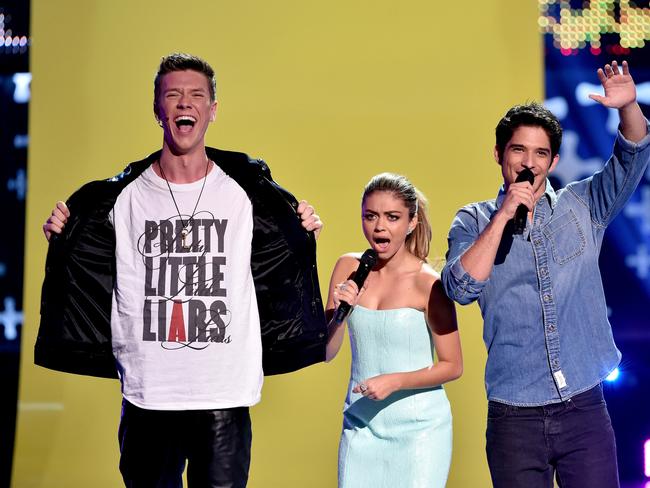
(537, 242)
(551, 328)
(543, 271)
(555, 363)
(547, 298)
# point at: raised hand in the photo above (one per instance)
(620, 90)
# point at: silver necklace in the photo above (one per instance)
(185, 225)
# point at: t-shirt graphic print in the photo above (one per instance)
(184, 321)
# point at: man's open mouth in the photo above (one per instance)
(185, 123)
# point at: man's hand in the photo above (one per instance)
(310, 221)
(57, 221)
(620, 90)
(620, 93)
(518, 193)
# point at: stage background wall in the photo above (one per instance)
(329, 94)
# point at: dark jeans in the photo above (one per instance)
(574, 440)
(155, 444)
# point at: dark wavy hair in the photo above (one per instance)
(531, 114)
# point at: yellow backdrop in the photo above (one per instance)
(329, 93)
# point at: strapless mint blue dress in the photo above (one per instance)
(405, 440)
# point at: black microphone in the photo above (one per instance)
(367, 262)
(522, 210)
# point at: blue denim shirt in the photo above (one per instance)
(545, 317)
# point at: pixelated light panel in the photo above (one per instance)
(9, 41)
(578, 28)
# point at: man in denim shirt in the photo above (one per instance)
(545, 321)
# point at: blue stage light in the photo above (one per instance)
(613, 376)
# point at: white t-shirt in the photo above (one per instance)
(184, 321)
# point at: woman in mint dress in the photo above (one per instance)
(397, 422)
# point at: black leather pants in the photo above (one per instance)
(154, 445)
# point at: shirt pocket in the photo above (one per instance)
(566, 237)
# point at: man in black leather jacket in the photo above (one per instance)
(88, 324)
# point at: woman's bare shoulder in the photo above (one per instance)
(347, 263)
(427, 276)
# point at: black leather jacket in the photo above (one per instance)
(75, 329)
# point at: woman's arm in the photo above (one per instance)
(341, 288)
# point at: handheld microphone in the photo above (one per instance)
(367, 262)
(522, 211)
